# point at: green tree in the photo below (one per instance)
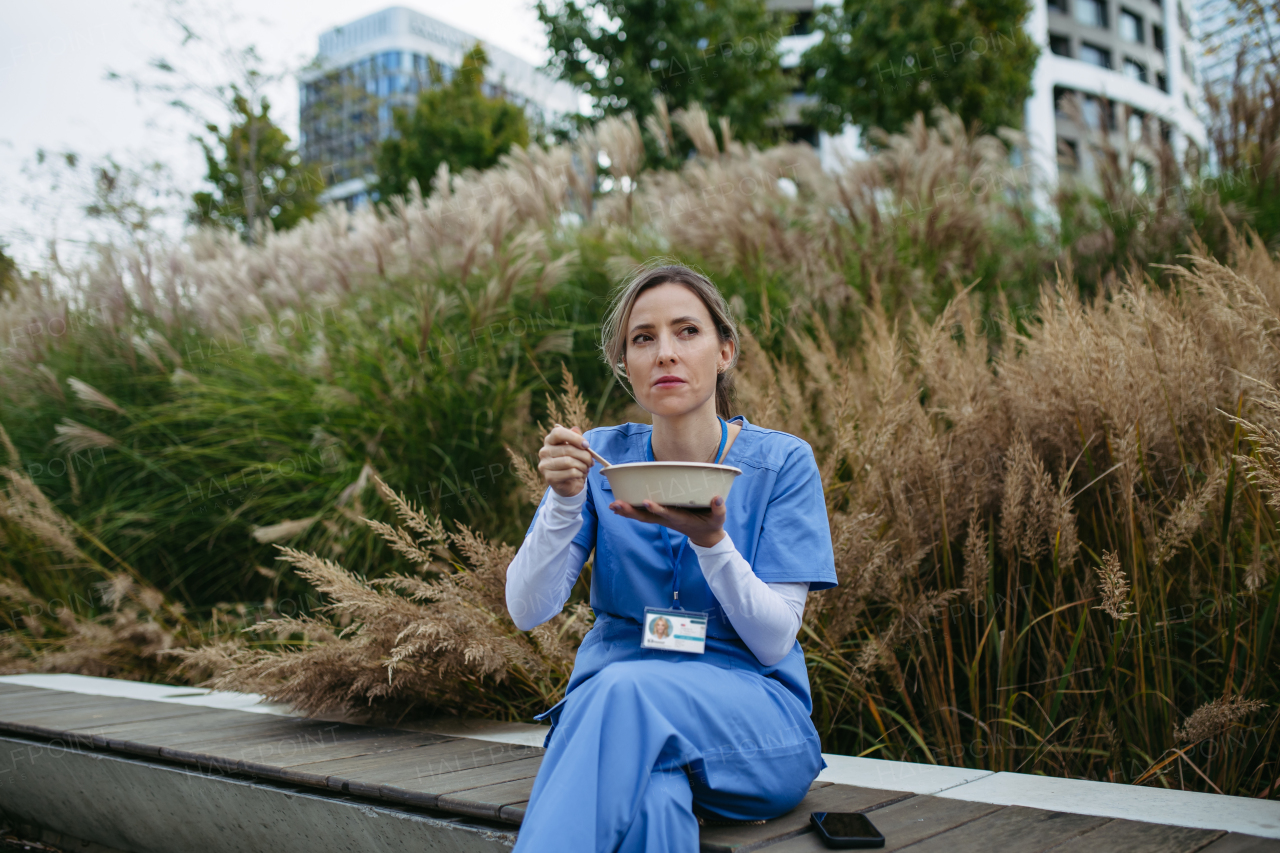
(8, 273)
(257, 175)
(722, 54)
(454, 123)
(881, 62)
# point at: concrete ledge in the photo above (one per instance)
(144, 807)
(1133, 802)
(896, 775)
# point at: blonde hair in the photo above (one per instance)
(613, 338)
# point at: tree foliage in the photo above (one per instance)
(454, 123)
(880, 63)
(8, 272)
(722, 54)
(256, 173)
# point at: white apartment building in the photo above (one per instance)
(1130, 62)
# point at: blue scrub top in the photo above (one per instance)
(776, 514)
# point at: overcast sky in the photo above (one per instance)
(55, 54)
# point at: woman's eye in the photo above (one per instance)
(693, 329)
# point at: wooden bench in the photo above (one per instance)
(105, 769)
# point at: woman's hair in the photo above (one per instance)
(613, 336)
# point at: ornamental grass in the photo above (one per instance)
(1050, 447)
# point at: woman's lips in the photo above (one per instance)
(669, 383)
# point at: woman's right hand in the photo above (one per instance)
(564, 461)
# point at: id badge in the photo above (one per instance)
(674, 630)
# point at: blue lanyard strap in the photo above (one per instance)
(666, 537)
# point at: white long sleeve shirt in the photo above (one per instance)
(766, 616)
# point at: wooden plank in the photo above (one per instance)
(261, 749)
(79, 717)
(490, 800)
(49, 699)
(86, 718)
(835, 798)
(393, 762)
(902, 823)
(365, 774)
(197, 721)
(309, 762)
(513, 813)
(1013, 829)
(1238, 842)
(1134, 836)
(7, 689)
(405, 770)
(170, 742)
(428, 790)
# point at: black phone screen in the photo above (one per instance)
(848, 825)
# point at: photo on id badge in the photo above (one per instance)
(675, 630)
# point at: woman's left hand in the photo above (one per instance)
(703, 529)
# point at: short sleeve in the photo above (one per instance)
(795, 534)
(586, 535)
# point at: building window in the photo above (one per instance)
(1141, 176)
(1058, 6)
(1135, 70)
(1060, 96)
(1095, 55)
(1137, 127)
(1091, 12)
(389, 61)
(1068, 155)
(1059, 45)
(1162, 82)
(1098, 113)
(1157, 37)
(1130, 27)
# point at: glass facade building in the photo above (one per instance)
(366, 69)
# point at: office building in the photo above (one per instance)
(370, 66)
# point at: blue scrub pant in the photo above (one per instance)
(642, 743)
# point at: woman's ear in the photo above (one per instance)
(726, 353)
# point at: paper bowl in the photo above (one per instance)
(688, 485)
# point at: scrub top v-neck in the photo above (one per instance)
(776, 516)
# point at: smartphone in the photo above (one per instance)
(845, 830)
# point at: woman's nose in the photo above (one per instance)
(666, 352)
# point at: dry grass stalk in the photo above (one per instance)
(1214, 718)
(433, 641)
(92, 397)
(1115, 588)
(128, 640)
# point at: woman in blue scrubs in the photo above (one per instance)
(647, 741)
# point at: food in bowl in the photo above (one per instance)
(686, 485)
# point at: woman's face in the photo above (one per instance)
(673, 352)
